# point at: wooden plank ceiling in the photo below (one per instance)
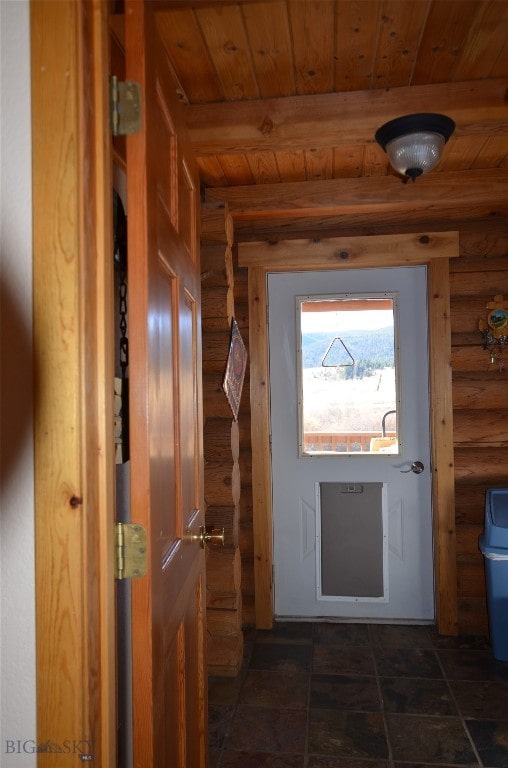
(283, 97)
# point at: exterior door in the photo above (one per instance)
(352, 521)
(168, 610)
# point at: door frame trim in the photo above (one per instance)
(423, 249)
(73, 347)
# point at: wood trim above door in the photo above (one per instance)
(425, 248)
(349, 252)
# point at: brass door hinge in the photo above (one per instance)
(130, 551)
(125, 107)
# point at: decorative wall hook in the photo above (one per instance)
(495, 330)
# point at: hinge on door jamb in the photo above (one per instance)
(125, 106)
(130, 551)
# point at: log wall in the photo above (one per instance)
(480, 402)
(221, 445)
(246, 537)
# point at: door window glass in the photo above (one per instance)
(348, 393)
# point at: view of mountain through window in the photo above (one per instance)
(347, 371)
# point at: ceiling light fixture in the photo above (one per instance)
(414, 143)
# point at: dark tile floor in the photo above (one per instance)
(316, 695)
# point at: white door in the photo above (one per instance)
(351, 508)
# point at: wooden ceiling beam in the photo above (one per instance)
(335, 119)
(316, 227)
(376, 194)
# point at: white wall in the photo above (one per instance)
(17, 614)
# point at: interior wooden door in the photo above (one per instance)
(169, 680)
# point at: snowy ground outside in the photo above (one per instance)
(354, 405)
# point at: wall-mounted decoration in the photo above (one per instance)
(235, 370)
(494, 330)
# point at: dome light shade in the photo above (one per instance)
(414, 143)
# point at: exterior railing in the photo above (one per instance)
(340, 442)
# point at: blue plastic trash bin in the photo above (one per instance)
(494, 546)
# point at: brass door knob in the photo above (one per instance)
(210, 535)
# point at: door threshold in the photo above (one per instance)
(353, 620)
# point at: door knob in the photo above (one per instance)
(210, 535)
(416, 466)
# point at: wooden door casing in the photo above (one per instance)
(169, 681)
(363, 252)
(73, 417)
